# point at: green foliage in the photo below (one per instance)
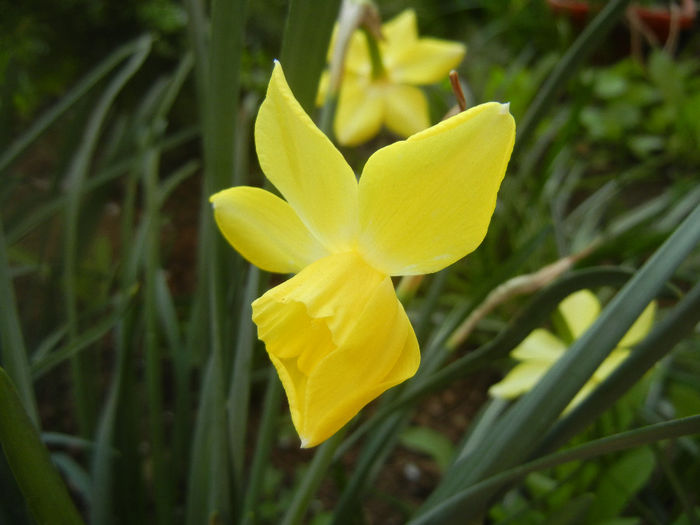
(125, 320)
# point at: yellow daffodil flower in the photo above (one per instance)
(336, 332)
(369, 98)
(541, 349)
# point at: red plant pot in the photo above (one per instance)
(657, 19)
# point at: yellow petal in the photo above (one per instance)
(540, 345)
(357, 59)
(427, 61)
(640, 328)
(305, 167)
(611, 362)
(338, 338)
(399, 33)
(579, 310)
(406, 110)
(519, 380)
(323, 85)
(360, 111)
(427, 201)
(582, 394)
(265, 229)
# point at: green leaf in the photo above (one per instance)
(42, 487)
(13, 351)
(430, 442)
(591, 37)
(523, 426)
(307, 35)
(620, 482)
(209, 480)
(75, 94)
(475, 497)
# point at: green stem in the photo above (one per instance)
(375, 56)
(266, 438)
(154, 382)
(312, 479)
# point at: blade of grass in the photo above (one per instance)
(12, 348)
(77, 173)
(372, 457)
(182, 365)
(675, 326)
(588, 41)
(32, 220)
(44, 364)
(312, 480)
(43, 489)
(475, 497)
(265, 441)
(209, 488)
(523, 426)
(239, 392)
(162, 479)
(217, 70)
(117, 426)
(75, 94)
(307, 35)
(227, 23)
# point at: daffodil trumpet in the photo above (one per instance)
(541, 349)
(335, 331)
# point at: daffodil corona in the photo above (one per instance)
(541, 349)
(386, 93)
(336, 332)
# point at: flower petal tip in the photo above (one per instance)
(505, 108)
(213, 197)
(305, 443)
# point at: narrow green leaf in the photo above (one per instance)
(209, 491)
(312, 480)
(373, 456)
(675, 326)
(227, 23)
(13, 352)
(76, 93)
(587, 42)
(431, 442)
(524, 425)
(619, 482)
(473, 500)
(75, 179)
(266, 439)
(162, 478)
(42, 487)
(307, 35)
(182, 365)
(43, 364)
(33, 219)
(239, 393)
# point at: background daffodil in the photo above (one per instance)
(336, 332)
(541, 349)
(371, 96)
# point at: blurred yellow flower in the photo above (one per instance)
(369, 98)
(541, 349)
(336, 332)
